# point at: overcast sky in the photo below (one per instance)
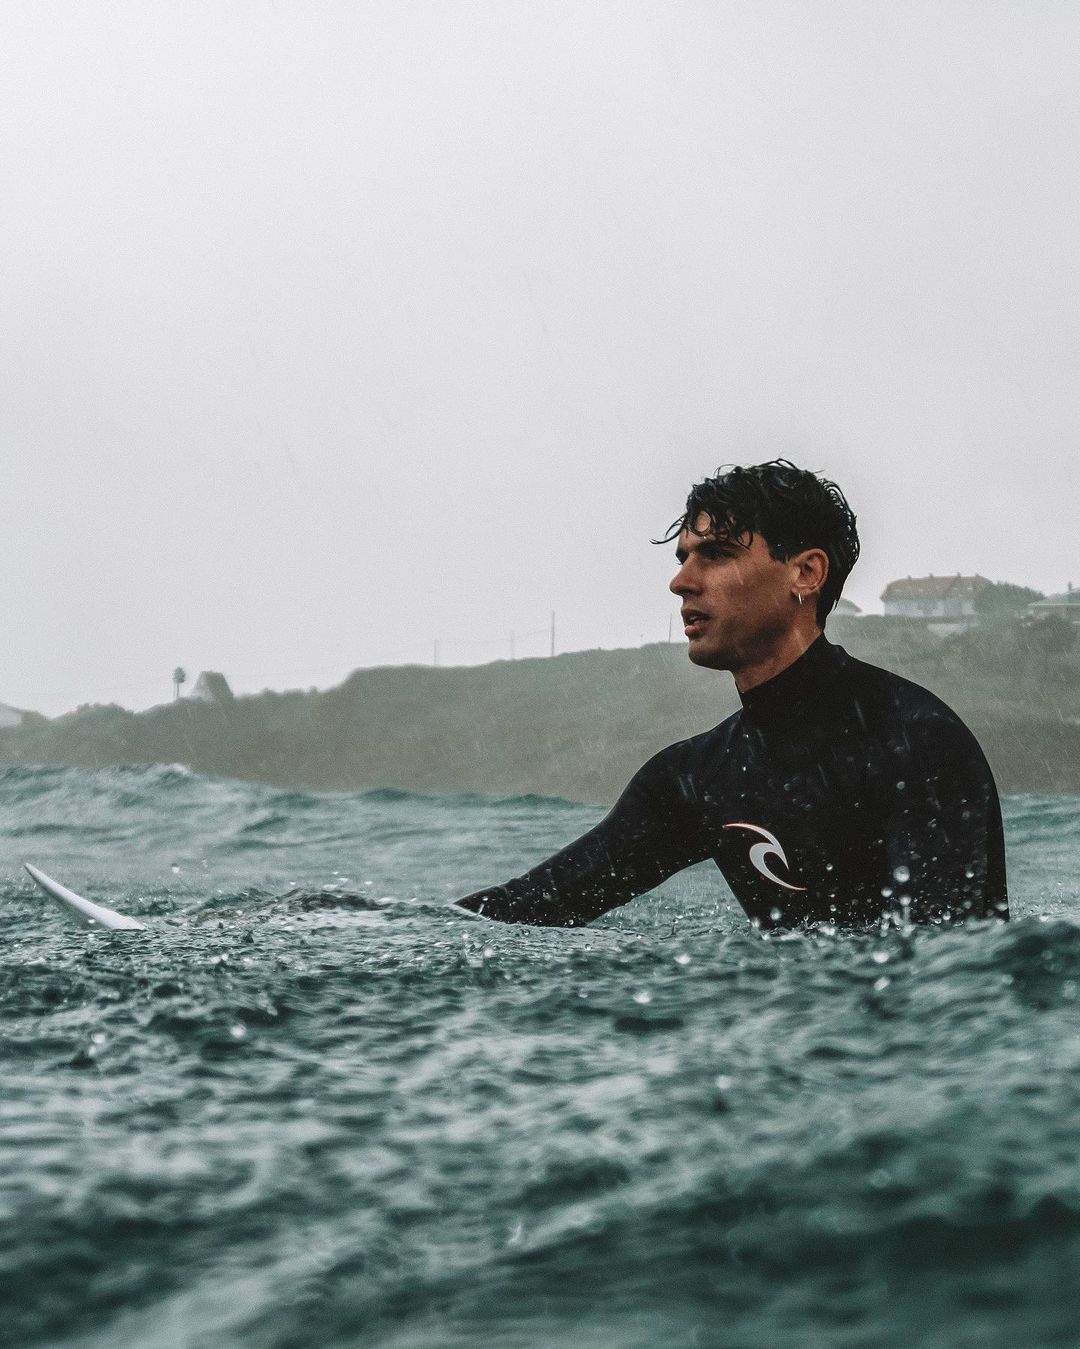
(330, 331)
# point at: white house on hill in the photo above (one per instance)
(9, 716)
(1065, 606)
(944, 603)
(212, 687)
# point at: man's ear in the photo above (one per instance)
(813, 567)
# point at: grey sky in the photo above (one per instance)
(332, 330)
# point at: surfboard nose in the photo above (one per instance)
(85, 908)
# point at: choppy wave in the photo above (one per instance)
(312, 1105)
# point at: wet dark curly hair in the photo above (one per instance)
(791, 508)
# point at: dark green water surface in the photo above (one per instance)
(313, 1106)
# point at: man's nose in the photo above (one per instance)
(683, 583)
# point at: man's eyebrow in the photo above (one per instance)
(706, 543)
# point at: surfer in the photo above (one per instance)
(839, 793)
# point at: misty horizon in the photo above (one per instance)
(462, 653)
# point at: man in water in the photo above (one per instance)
(838, 794)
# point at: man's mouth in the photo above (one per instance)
(693, 621)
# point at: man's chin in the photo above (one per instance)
(708, 658)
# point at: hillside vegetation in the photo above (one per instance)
(575, 726)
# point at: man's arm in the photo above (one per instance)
(944, 842)
(650, 833)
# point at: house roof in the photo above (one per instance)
(935, 587)
(1070, 598)
(211, 686)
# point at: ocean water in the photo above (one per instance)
(314, 1106)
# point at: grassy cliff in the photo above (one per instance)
(576, 726)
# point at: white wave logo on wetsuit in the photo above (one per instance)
(760, 851)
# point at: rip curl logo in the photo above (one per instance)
(760, 851)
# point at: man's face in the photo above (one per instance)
(737, 601)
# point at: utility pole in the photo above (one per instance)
(553, 632)
(435, 658)
(512, 656)
(669, 617)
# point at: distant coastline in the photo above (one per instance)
(576, 725)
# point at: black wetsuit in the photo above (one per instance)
(839, 793)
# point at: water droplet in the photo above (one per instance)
(98, 1038)
(881, 983)
(902, 874)
(238, 1032)
(724, 1083)
(886, 892)
(643, 996)
(879, 957)
(682, 958)
(776, 914)
(175, 870)
(488, 952)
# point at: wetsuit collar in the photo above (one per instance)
(795, 692)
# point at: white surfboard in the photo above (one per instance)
(88, 911)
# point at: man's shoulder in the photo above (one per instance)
(673, 778)
(681, 757)
(892, 696)
(705, 742)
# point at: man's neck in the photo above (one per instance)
(795, 644)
